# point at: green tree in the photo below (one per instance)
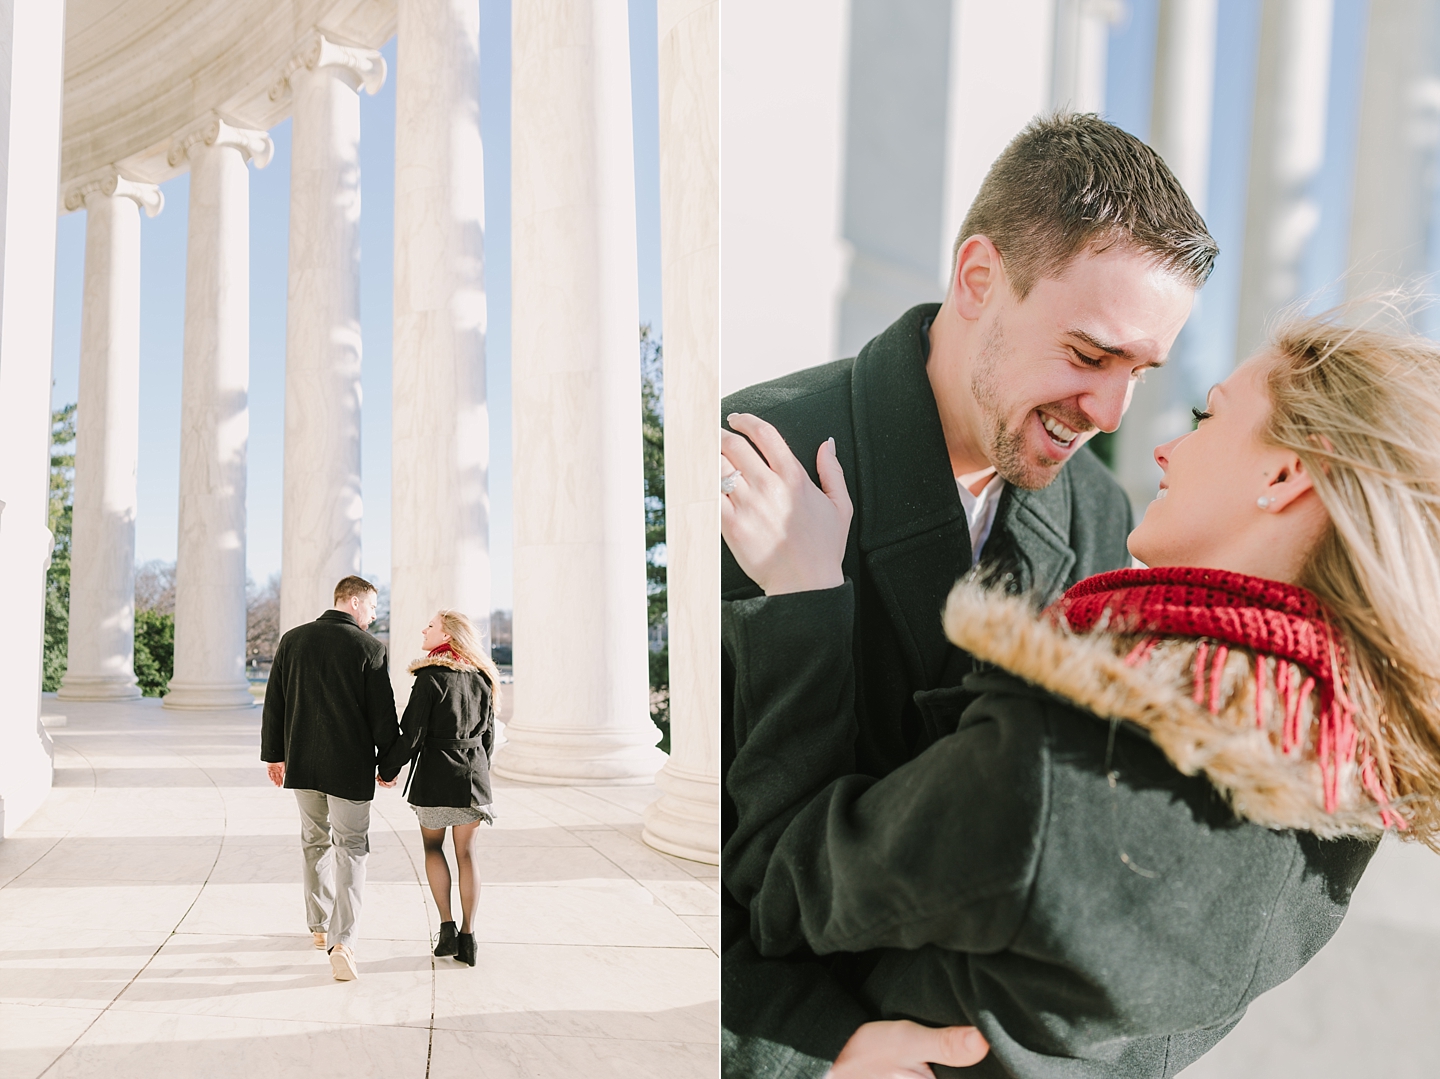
(652, 404)
(57, 580)
(154, 626)
(154, 650)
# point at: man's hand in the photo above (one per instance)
(787, 534)
(384, 782)
(905, 1050)
(276, 772)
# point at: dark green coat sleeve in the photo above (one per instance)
(793, 676)
(412, 726)
(782, 1019)
(941, 851)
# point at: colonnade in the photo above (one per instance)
(582, 710)
(875, 83)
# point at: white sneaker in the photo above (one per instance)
(342, 964)
(320, 941)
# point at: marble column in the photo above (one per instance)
(1082, 40)
(1001, 54)
(896, 66)
(440, 450)
(582, 699)
(685, 820)
(32, 40)
(1287, 148)
(1392, 220)
(321, 524)
(1180, 129)
(214, 420)
(101, 660)
(785, 139)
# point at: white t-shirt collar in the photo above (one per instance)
(980, 508)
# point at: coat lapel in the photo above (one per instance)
(1033, 540)
(913, 536)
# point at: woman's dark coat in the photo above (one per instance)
(448, 732)
(1046, 875)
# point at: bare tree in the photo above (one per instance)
(262, 622)
(155, 587)
(500, 627)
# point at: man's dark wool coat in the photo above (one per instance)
(909, 542)
(448, 731)
(329, 708)
(1043, 874)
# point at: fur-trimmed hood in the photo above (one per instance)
(1237, 745)
(452, 661)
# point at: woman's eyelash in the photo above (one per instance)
(1199, 415)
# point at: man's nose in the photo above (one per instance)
(1106, 403)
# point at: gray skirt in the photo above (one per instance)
(449, 816)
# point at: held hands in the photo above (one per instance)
(386, 783)
(905, 1050)
(276, 772)
(787, 534)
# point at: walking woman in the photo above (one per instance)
(447, 735)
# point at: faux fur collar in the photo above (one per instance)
(454, 662)
(1242, 760)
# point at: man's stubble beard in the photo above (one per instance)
(1004, 447)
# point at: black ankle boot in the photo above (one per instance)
(465, 948)
(446, 943)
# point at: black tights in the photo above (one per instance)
(437, 870)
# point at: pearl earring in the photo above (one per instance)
(1264, 502)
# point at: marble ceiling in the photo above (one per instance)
(140, 73)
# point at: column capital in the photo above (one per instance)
(112, 185)
(361, 68)
(213, 131)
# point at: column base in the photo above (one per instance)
(685, 819)
(100, 687)
(205, 697)
(578, 757)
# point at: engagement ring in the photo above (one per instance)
(727, 483)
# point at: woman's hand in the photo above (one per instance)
(905, 1050)
(787, 534)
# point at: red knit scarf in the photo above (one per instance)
(443, 650)
(1269, 619)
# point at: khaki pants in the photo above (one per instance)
(335, 838)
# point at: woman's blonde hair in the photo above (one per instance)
(465, 643)
(1360, 408)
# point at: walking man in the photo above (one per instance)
(329, 716)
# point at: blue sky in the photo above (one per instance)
(162, 309)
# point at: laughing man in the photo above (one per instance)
(961, 430)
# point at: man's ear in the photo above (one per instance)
(979, 274)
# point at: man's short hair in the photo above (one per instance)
(350, 587)
(1071, 182)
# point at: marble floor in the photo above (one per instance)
(151, 924)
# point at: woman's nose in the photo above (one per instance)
(1162, 454)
